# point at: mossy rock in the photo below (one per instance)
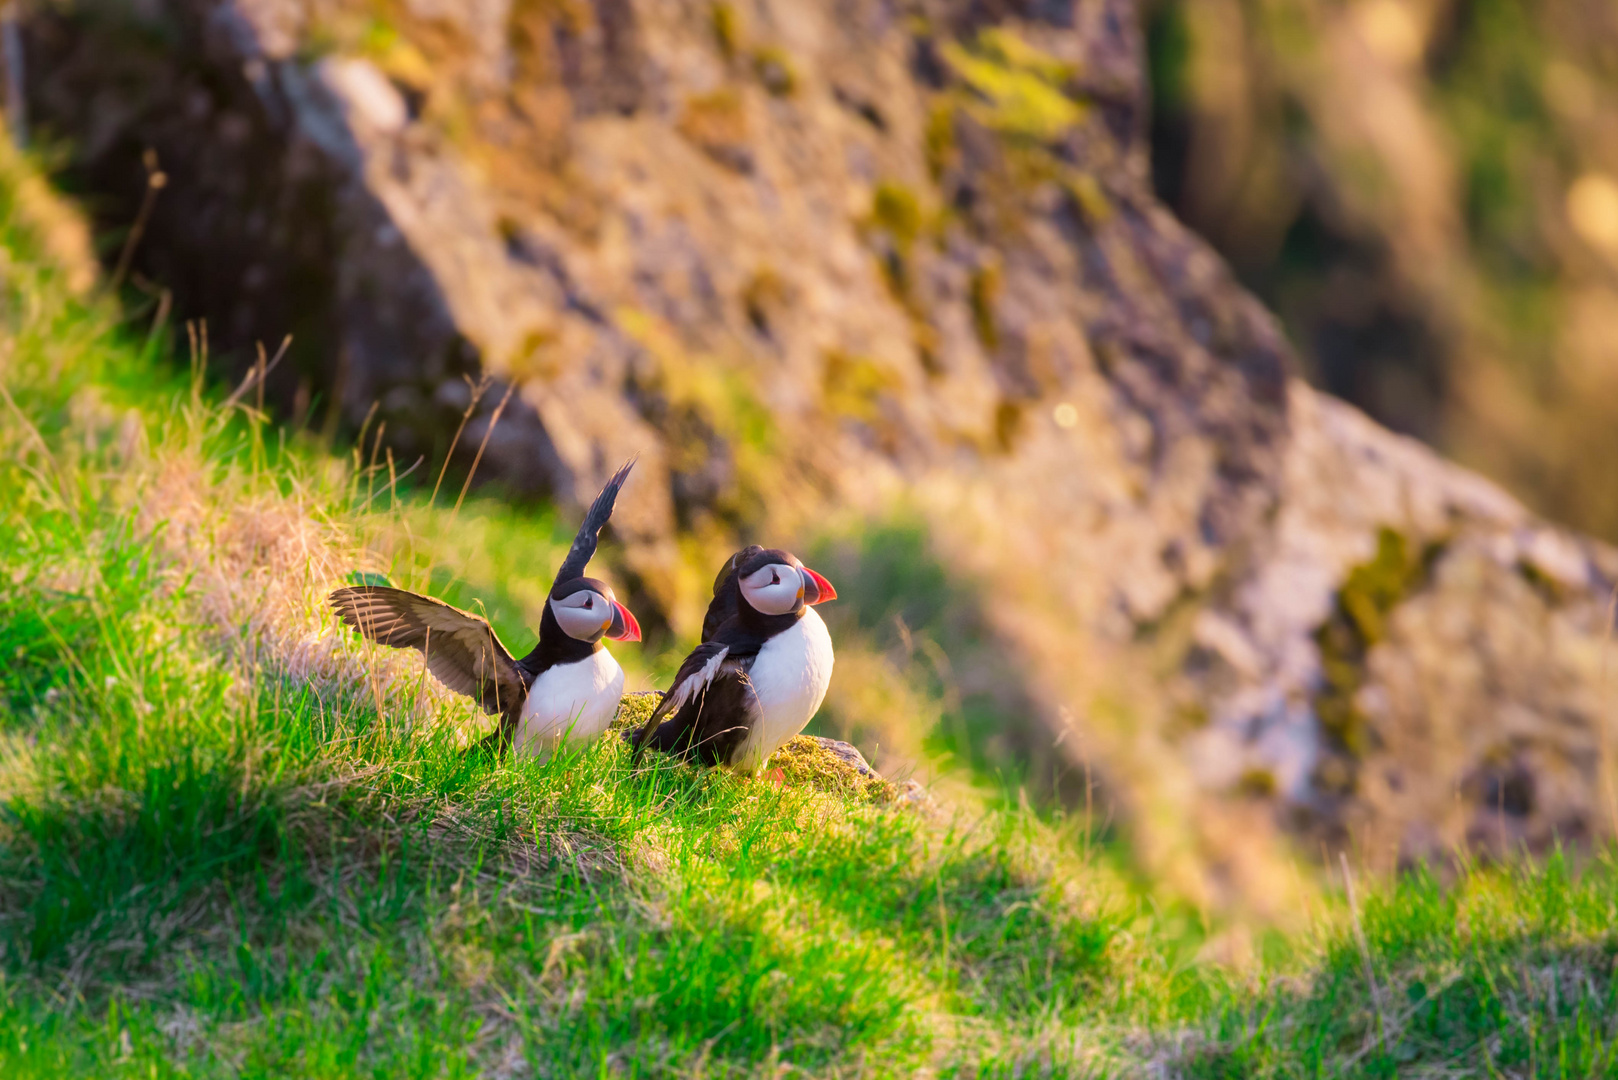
(634, 709)
(827, 764)
(1365, 602)
(831, 765)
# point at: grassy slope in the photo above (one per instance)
(234, 844)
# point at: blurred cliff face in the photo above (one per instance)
(1426, 191)
(892, 281)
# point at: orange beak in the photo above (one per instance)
(817, 590)
(624, 627)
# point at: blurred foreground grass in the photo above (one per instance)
(234, 842)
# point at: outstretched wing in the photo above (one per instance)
(584, 544)
(461, 648)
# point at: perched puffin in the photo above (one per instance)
(567, 687)
(760, 672)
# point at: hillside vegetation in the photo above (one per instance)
(236, 842)
(888, 285)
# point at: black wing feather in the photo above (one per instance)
(714, 672)
(461, 649)
(713, 724)
(584, 543)
(696, 671)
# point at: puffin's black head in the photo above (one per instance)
(586, 610)
(774, 582)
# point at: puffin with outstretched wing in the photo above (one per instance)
(567, 687)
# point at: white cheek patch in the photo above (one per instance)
(774, 589)
(580, 622)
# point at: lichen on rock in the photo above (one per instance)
(1365, 601)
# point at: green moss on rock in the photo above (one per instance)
(1368, 596)
(832, 766)
(853, 386)
(775, 70)
(1021, 90)
(727, 30)
(635, 709)
(896, 210)
(983, 291)
(939, 135)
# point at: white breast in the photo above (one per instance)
(790, 677)
(574, 701)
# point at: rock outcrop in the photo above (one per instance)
(854, 255)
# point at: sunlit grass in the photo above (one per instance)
(236, 842)
(185, 840)
(225, 846)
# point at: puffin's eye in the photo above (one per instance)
(775, 578)
(589, 602)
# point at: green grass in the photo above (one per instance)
(322, 895)
(232, 846)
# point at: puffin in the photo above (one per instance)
(566, 688)
(759, 674)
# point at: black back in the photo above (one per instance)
(727, 592)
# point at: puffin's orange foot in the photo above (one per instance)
(776, 777)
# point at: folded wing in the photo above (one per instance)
(707, 711)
